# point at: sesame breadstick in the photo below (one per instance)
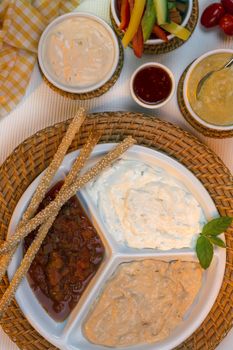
(35, 246)
(63, 196)
(54, 165)
(78, 164)
(25, 264)
(81, 159)
(46, 179)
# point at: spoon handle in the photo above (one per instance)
(203, 80)
(229, 64)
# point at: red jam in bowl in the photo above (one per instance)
(152, 85)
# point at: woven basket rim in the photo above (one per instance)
(154, 133)
(143, 115)
(207, 131)
(95, 93)
(174, 43)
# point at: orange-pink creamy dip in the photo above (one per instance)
(79, 52)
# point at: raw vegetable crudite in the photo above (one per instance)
(160, 33)
(125, 14)
(228, 5)
(219, 14)
(161, 8)
(177, 30)
(137, 40)
(150, 18)
(212, 15)
(134, 22)
(226, 23)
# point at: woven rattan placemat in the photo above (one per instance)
(92, 94)
(34, 155)
(218, 134)
(173, 43)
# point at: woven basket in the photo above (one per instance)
(173, 43)
(95, 93)
(207, 131)
(34, 155)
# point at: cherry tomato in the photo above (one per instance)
(226, 23)
(228, 5)
(212, 14)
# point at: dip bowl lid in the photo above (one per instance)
(185, 91)
(42, 46)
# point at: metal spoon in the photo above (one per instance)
(203, 80)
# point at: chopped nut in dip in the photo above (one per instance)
(143, 302)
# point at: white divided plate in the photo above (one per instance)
(68, 335)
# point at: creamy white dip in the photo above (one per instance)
(79, 52)
(146, 207)
(143, 302)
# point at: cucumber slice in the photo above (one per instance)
(171, 5)
(161, 8)
(148, 19)
(177, 30)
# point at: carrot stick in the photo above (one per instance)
(134, 22)
(137, 41)
(160, 33)
(125, 14)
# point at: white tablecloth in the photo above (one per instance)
(42, 107)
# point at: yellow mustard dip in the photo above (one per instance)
(215, 101)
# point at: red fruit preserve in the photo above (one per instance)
(152, 85)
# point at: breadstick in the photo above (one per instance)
(54, 165)
(35, 246)
(78, 164)
(46, 179)
(25, 264)
(63, 196)
(81, 159)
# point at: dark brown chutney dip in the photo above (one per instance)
(67, 260)
(152, 85)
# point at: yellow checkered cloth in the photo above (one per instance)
(21, 25)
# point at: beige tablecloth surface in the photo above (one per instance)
(42, 107)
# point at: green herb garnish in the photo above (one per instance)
(209, 237)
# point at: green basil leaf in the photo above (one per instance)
(217, 241)
(204, 251)
(217, 226)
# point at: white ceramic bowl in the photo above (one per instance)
(45, 69)
(69, 335)
(185, 91)
(148, 105)
(153, 41)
